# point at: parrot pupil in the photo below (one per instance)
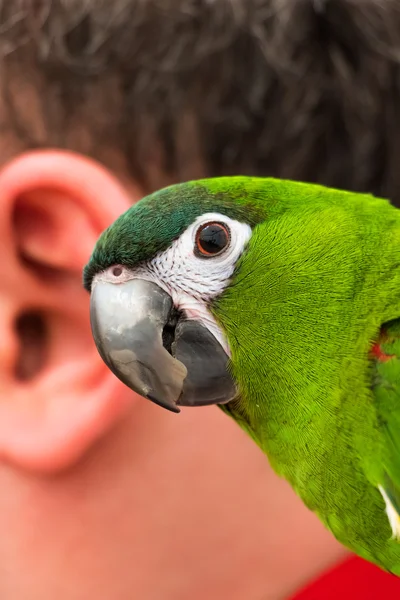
(212, 239)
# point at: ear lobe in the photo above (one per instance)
(53, 207)
(50, 428)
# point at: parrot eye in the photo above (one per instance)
(211, 239)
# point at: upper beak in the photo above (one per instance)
(129, 322)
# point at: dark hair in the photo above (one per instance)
(301, 89)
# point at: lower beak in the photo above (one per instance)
(129, 323)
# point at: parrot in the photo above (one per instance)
(279, 302)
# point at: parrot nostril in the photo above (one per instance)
(30, 327)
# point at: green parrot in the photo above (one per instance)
(278, 301)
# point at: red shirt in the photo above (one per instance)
(354, 579)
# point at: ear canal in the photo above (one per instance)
(31, 331)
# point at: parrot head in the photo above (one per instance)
(153, 277)
(158, 277)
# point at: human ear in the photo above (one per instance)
(57, 398)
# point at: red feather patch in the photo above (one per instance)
(379, 354)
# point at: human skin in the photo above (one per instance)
(103, 495)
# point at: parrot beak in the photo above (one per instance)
(153, 350)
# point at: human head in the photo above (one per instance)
(102, 102)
